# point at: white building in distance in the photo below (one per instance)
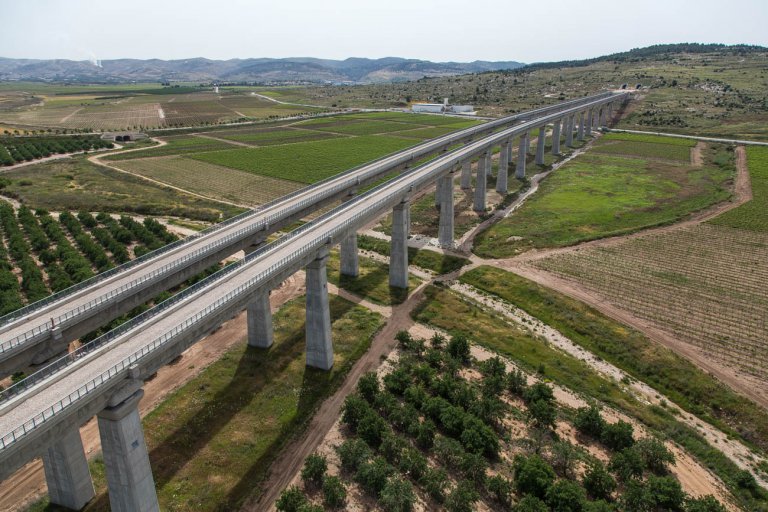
(443, 108)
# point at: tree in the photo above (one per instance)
(539, 391)
(434, 482)
(666, 492)
(618, 436)
(334, 492)
(458, 348)
(599, 506)
(477, 437)
(412, 463)
(533, 475)
(397, 495)
(531, 504)
(372, 475)
(564, 457)
(655, 455)
(598, 482)
(500, 488)
(291, 500)
(372, 428)
(352, 453)
(566, 496)
(589, 422)
(314, 470)
(627, 464)
(516, 382)
(368, 386)
(353, 410)
(542, 414)
(705, 504)
(462, 497)
(636, 497)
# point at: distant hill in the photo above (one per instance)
(357, 70)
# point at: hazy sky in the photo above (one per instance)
(441, 30)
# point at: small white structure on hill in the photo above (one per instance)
(443, 108)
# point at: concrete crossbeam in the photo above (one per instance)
(318, 321)
(126, 460)
(66, 471)
(259, 314)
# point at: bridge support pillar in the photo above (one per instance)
(569, 132)
(398, 254)
(556, 137)
(581, 126)
(66, 472)
(540, 145)
(466, 174)
(590, 122)
(129, 475)
(502, 177)
(482, 181)
(445, 230)
(521, 157)
(349, 265)
(610, 115)
(318, 321)
(259, 315)
(601, 118)
(527, 142)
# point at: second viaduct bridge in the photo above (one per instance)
(41, 415)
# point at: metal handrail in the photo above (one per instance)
(253, 283)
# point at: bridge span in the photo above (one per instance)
(41, 415)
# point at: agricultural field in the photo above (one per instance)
(603, 194)
(41, 254)
(77, 184)
(121, 107)
(14, 150)
(703, 284)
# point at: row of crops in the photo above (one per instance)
(23, 149)
(41, 254)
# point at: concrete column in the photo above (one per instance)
(509, 153)
(602, 117)
(349, 265)
(540, 145)
(260, 321)
(502, 177)
(520, 172)
(466, 174)
(569, 133)
(445, 230)
(489, 165)
(398, 254)
(596, 118)
(590, 121)
(610, 114)
(66, 472)
(438, 194)
(318, 322)
(556, 137)
(581, 126)
(126, 461)
(482, 182)
(527, 142)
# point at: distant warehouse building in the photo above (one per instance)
(443, 108)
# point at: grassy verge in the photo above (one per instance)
(430, 260)
(372, 283)
(599, 195)
(212, 441)
(457, 315)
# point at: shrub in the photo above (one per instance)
(589, 422)
(425, 438)
(412, 463)
(462, 498)
(531, 504)
(655, 455)
(542, 413)
(372, 475)
(665, 492)
(334, 492)
(372, 428)
(566, 496)
(617, 436)
(516, 382)
(352, 453)
(397, 495)
(598, 482)
(599, 506)
(314, 470)
(291, 500)
(391, 447)
(477, 437)
(458, 348)
(397, 381)
(437, 341)
(533, 475)
(537, 392)
(493, 367)
(500, 489)
(564, 457)
(627, 464)
(434, 482)
(353, 410)
(368, 387)
(473, 466)
(705, 504)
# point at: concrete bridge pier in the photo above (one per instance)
(569, 132)
(398, 254)
(489, 166)
(129, 476)
(466, 174)
(259, 315)
(445, 229)
(601, 119)
(510, 156)
(482, 181)
(588, 127)
(528, 142)
(502, 177)
(581, 126)
(349, 265)
(318, 321)
(556, 137)
(610, 114)
(540, 145)
(521, 155)
(66, 472)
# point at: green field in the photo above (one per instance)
(269, 137)
(211, 441)
(752, 215)
(176, 145)
(372, 283)
(599, 195)
(77, 184)
(645, 146)
(307, 162)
